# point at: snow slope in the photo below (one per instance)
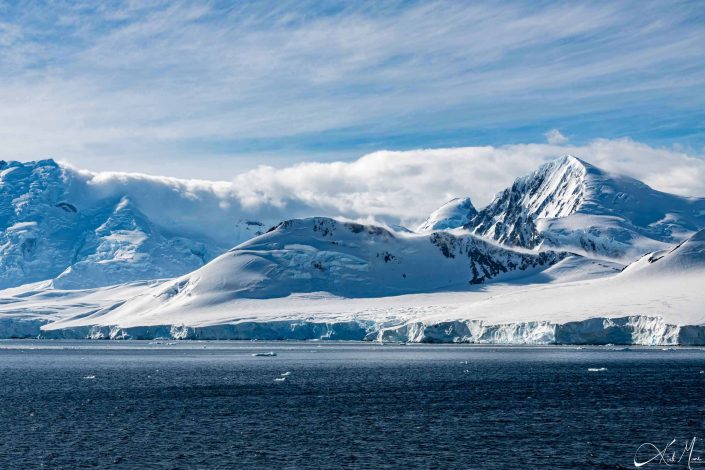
(56, 222)
(176, 309)
(657, 300)
(571, 205)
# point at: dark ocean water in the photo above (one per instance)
(213, 405)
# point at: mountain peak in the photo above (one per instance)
(572, 160)
(454, 213)
(556, 189)
(568, 202)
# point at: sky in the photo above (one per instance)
(215, 89)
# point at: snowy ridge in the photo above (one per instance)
(684, 258)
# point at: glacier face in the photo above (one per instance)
(571, 205)
(636, 330)
(56, 222)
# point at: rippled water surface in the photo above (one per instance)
(350, 405)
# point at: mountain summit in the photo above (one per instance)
(556, 189)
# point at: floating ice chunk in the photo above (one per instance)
(597, 369)
(286, 374)
(89, 377)
(280, 379)
(264, 354)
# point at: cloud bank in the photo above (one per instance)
(392, 187)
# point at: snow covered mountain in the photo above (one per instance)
(453, 214)
(56, 222)
(571, 205)
(658, 300)
(351, 260)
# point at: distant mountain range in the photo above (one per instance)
(564, 244)
(55, 223)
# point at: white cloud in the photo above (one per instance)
(554, 137)
(406, 186)
(391, 186)
(385, 186)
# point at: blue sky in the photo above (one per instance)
(209, 89)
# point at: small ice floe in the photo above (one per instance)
(280, 379)
(702, 371)
(597, 369)
(89, 377)
(285, 374)
(668, 349)
(264, 354)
